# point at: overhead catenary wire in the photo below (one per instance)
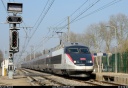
(25, 41)
(76, 19)
(43, 16)
(4, 6)
(105, 6)
(73, 12)
(39, 23)
(85, 11)
(24, 47)
(41, 13)
(71, 15)
(79, 8)
(42, 19)
(101, 8)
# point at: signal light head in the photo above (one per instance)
(14, 19)
(14, 42)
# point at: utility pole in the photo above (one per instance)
(68, 29)
(60, 37)
(33, 52)
(115, 47)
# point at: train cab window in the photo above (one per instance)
(73, 50)
(84, 50)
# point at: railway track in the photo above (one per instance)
(45, 79)
(102, 83)
(94, 82)
(41, 81)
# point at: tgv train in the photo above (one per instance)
(71, 59)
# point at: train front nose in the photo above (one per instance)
(79, 71)
(82, 59)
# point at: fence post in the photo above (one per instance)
(113, 62)
(125, 61)
(118, 63)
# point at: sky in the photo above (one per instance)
(58, 13)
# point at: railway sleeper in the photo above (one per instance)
(108, 78)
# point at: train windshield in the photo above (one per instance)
(73, 50)
(82, 50)
(80, 55)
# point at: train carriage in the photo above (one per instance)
(72, 59)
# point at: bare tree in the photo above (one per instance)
(120, 22)
(95, 36)
(124, 46)
(107, 35)
(73, 37)
(1, 56)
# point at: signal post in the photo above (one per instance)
(14, 8)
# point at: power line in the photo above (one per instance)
(62, 21)
(42, 18)
(39, 23)
(25, 41)
(4, 6)
(41, 14)
(105, 6)
(101, 8)
(70, 15)
(79, 8)
(85, 11)
(90, 6)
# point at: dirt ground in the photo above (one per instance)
(18, 80)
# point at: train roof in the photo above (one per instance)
(73, 44)
(64, 45)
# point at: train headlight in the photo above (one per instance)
(74, 61)
(90, 61)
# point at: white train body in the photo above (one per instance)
(72, 59)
